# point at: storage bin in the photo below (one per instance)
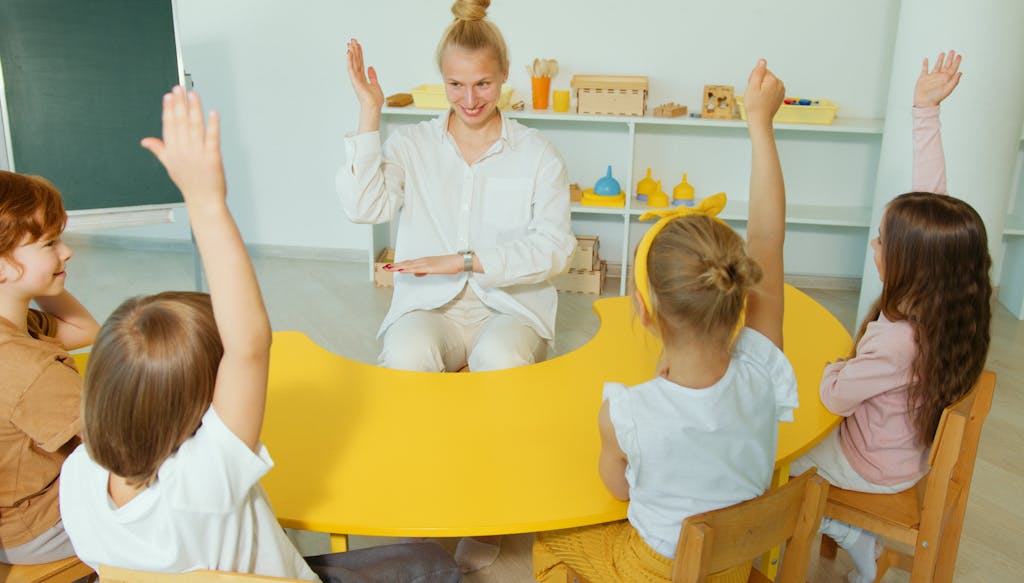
(823, 112)
(433, 97)
(610, 94)
(583, 281)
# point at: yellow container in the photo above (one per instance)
(822, 113)
(433, 97)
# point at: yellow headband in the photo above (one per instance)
(710, 206)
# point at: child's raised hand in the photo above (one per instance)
(190, 150)
(932, 87)
(764, 94)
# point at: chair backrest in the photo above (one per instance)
(945, 490)
(723, 538)
(118, 575)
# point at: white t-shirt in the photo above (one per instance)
(206, 510)
(694, 450)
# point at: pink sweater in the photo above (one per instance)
(870, 389)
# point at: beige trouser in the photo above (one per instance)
(463, 331)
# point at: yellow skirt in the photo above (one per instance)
(609, 553)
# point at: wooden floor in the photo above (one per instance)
(335, 304)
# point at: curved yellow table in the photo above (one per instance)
(366, 450)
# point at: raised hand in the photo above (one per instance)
(364, 81)
(190, 149)
(932, 87)
(764, 94)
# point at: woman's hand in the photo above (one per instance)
(935, 86)
(435, 265)
(364, 81)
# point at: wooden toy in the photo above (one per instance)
(585, 256)
(399, 99)
(606, 192)
(645, 187)
(575, 192)
(670, 109)
(682, 194)
(718, 102)
(610, 94)
(582, 281)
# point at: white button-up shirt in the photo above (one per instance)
(511, 207)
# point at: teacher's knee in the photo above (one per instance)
(507, 350)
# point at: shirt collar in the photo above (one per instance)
(507, 135)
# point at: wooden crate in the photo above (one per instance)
(610, 94)
(585, 256)
(383, 278)
(583, 281)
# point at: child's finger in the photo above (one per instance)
(924, 66)
(213, 131)
(155, 146)
(173, 132)
(757, 74)
(938, 62)
(195, 118)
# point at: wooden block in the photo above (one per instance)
(586, 255)
(575, 193)
(399, 99)
(719, 102)
(582, 281)
(383, 278)
(670, 109)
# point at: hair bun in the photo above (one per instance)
(470, 9)
(734, 274)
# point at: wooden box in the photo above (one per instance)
(610, 94)
(383, 278)
(575, 193)
(585, 256)
(582, 281)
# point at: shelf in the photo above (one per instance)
(841, 126)
(1014, 226)
(738, 210)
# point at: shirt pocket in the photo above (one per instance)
(507, 204)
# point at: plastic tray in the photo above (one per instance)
(822, 113)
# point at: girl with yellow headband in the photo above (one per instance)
(701, 435)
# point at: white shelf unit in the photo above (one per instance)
(615, 141)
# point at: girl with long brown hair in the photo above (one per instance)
(923, 343)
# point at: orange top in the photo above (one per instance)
(40, 398)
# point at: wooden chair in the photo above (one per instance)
(928, 517)
(118, 575)
(62, 571)
(720, 539)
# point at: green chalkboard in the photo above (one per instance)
(82, 85)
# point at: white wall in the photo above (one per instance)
(276, 71)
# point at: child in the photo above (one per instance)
(924, 342)
(168, 478)
(40, 388)
(701, 435)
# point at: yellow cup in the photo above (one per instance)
(561, 100)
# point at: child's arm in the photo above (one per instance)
(931, 88)
(191, 154)
(612, 463)
(766, 227)
(75, 325)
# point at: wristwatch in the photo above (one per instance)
(467, 260)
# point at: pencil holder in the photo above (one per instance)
(541, 86)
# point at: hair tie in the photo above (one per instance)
(710, 207)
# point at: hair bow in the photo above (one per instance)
(710, 206)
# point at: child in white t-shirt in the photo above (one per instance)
(702, 434)
(168, 477)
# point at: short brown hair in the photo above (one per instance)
(149, 382)
(29, 206)
(699, 273)
(471, 30)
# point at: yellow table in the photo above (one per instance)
(366, 450)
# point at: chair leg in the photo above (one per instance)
(828, 547)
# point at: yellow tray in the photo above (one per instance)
(433, 97)
(822, 113)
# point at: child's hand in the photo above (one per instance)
(189, 151)
(764, 95)
(933, 87)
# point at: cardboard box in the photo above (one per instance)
(585, 256)
(383, 278)
(583, 281)
(610, 94)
